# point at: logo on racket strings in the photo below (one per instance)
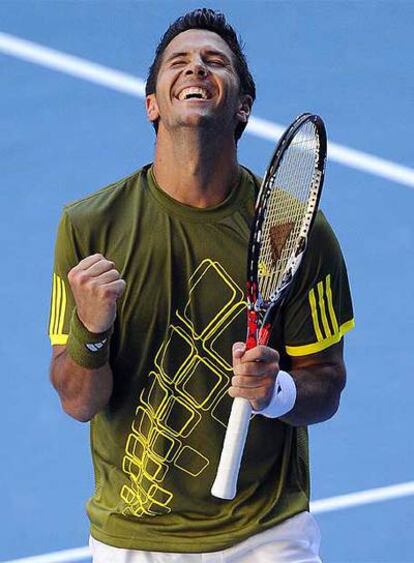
(263, 270)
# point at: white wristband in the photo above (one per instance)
(283, 399)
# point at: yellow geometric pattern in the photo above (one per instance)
(178, 394)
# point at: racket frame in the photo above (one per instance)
(260, 314)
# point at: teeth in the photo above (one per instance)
(193, 91)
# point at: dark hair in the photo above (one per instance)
(205, 18)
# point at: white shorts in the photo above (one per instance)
(294, 541)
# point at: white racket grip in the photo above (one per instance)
(225, 483)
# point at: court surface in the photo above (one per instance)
(69, 127)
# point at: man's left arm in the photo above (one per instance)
(316, 315)
(319, 379)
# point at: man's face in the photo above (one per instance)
(197, 85)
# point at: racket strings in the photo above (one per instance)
(289, 209)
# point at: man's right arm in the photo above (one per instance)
(84, 389)
(83, 392)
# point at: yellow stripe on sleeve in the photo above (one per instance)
(325, 323)
(58, 311)
(60, 339)
(58, 297)
(312, 303)
(330, 304)
(53, 306)
(321, 345)
(62, 308)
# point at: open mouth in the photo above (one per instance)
(194, 93)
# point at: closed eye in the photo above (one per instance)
(216, 62)
(177, 63)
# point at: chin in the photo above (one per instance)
(199, 120)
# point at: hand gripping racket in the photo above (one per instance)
(286, 206)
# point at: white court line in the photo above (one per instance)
(363, 497)
(343, 155)
(75, 66)
(317, 507)
(65, 556)
(129, 84)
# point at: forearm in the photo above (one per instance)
(83, 392)
(318, 394)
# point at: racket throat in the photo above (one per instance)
(264, 334)
(252, 327)
(257, 333)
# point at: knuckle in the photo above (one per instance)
(77, 278)
(82, 277)
(237, 369)
(249, 368)
(243, 371)
(107, 292)
(120, 287)
(260, 370)
(94, 286)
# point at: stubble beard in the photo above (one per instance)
(203, 126)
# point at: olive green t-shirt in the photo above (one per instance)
(156, 445)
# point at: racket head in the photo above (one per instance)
(285, 210)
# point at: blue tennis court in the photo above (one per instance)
(72, 120)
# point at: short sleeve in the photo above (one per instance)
(62, 303)
(318, 311)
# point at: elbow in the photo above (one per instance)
(333, 400)
(338, 382)
(333, 406)
(78, 412)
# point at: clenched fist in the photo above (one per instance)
(96, 286)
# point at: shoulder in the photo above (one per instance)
(322, 239)
(323, 255)
(106, 201)
(252, 177)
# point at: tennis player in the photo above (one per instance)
(147, 324)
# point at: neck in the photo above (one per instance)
(193, 169)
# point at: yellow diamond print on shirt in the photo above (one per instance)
(172, 403)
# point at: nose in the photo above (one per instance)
(197, 67)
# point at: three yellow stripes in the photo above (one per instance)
(324, 318)
(58, 307)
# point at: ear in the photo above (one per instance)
(245, 108)
(152, 107)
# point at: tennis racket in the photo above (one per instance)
(285, 209)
